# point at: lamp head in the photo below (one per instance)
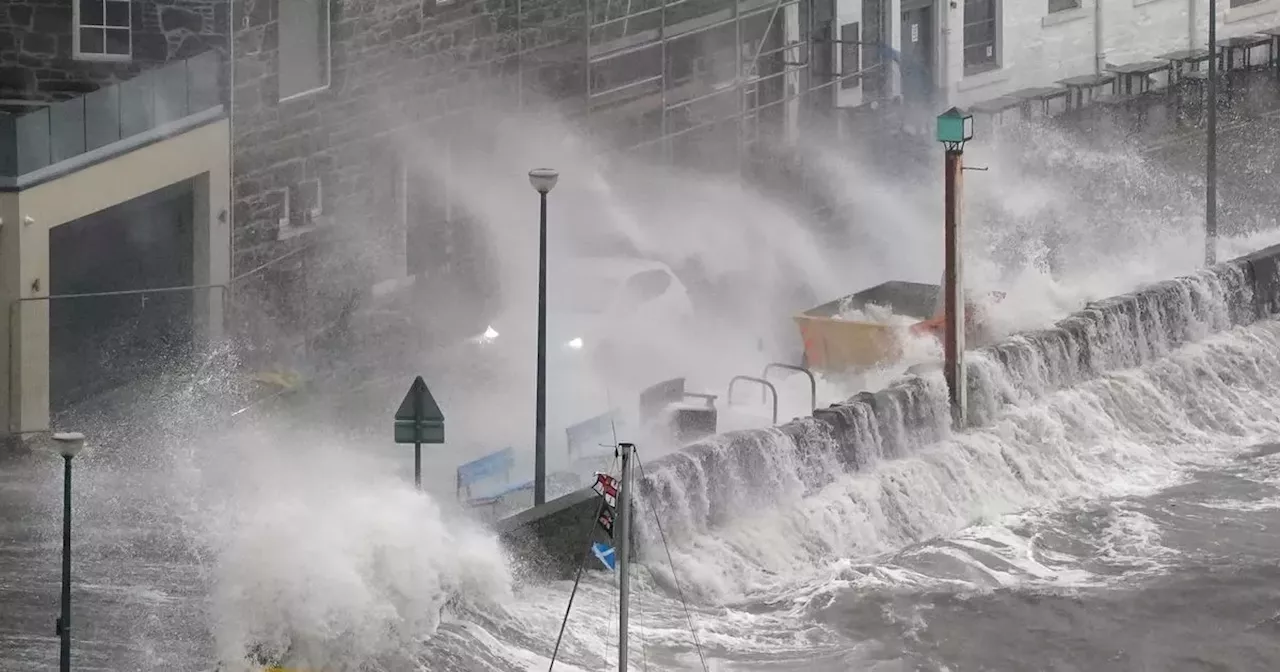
(69, 443)
(955, 127)
(543, 179)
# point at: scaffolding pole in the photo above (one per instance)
(796, 49)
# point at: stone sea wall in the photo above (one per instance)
(716, 479)
(710, 481)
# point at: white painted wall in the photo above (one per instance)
(28, 216)
(1038, 49)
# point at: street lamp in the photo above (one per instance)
(69, 445)
(955, 127)
(543, 181)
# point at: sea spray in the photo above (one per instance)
(711, 482)
(322, 558)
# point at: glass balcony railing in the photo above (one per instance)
(64, 130)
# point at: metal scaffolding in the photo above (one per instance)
(783, 55)
(647, 73)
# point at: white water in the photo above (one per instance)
(768, 262)
(341, 559)
(347, 559)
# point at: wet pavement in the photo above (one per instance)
(137, 592)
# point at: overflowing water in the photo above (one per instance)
(1095, 484)
(1093, 493)
(1051, 225)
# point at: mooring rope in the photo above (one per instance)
(582, 563)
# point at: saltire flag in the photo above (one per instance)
(606, 520)
(605, 554)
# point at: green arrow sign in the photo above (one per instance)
(419, 418)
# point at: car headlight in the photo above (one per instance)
(489, 335)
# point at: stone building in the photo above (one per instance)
(53, 48)
(316, 99)
(317, 151)
(316, 156)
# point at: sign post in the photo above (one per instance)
(419, 420)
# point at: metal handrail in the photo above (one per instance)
(761, 381)
(813, 383)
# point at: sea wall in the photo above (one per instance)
(713, 480)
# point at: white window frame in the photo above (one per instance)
(407, 170)
(997, 42)
(326, 52)
(1246, 12)
(312, 219)
(79, 55)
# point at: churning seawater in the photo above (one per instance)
(1130, 522)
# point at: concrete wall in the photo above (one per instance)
(1037, 48)
(28, 215)
(550, 540)
(713, 481)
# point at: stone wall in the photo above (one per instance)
(402, 73)
(712, 481)
(36, 48)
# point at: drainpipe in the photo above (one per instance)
(1099, 39)
(1192, 6)
(944, 53)
(231, 150)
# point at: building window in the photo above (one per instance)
(825, 55)
(304, 47)
(103, 30)
(850, 53)
(1242, 3)
(1063, 5)
(430, 235)
(980, 34)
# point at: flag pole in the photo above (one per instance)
(623, 557)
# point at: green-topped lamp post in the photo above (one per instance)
(955, 127)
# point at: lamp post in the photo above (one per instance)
(1211, 145)
(543, 181)
(69, 445)
(955, 127)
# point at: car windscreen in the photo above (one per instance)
(645, 286)
(587, 295)
(597, 294)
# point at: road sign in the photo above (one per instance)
(419, 418)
